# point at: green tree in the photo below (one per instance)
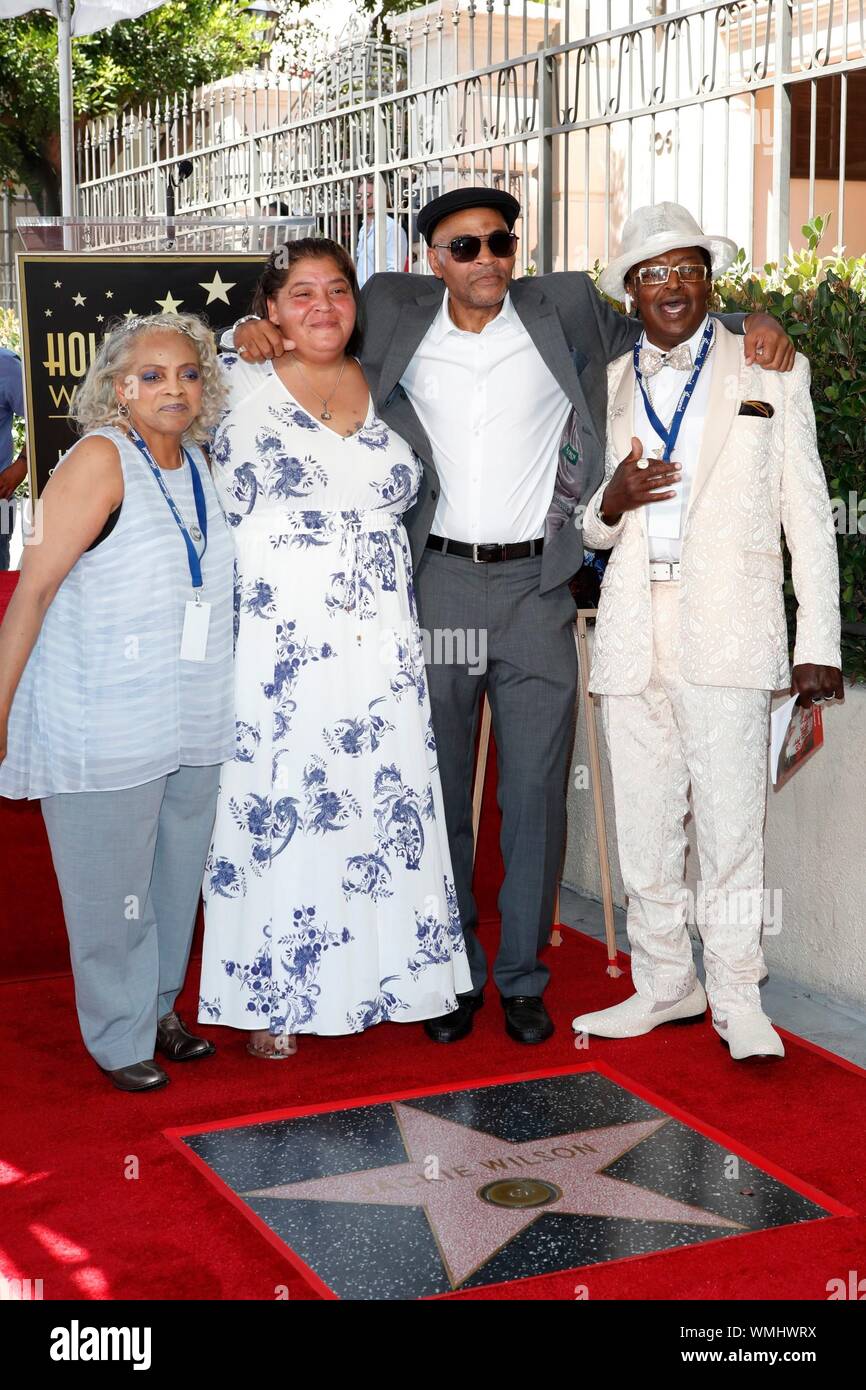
(169, 50)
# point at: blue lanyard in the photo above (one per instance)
(669, 436)
(200, 507)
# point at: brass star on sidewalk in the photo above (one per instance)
(488, 1190)
(217, 288)
(169, 305)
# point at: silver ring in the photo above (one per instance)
(242, 350)
(642, 463)
(759, 352)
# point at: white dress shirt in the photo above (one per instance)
(494, 414)
(664, 520)
(396, 249)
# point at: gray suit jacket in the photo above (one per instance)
(577, 334)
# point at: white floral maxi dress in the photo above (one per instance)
(329, 897)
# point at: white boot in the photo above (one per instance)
(749, 1035)
(634, 1017)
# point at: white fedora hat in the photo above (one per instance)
(651, 231)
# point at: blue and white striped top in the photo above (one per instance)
(105, 702)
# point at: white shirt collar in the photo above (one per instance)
(444, 324)
(692, 343)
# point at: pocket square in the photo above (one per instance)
(756, 408)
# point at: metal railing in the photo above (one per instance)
(752, 112)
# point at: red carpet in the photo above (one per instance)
(97, 1203)
(76, 1220)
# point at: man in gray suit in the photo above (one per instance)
(482, 374)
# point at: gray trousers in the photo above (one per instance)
(130, 865)
(530, 677)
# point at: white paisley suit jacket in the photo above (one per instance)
(755, 475)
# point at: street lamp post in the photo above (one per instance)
(67, 128)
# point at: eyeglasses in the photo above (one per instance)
(466, 248)
(660, 274)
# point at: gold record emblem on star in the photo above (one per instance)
(217, 288)
(169, 305)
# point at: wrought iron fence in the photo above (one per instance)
(752, 112)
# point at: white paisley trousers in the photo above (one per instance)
(715, 737)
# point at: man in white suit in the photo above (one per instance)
(708, 459)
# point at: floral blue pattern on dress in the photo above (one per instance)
(367, 873)
(379, 1010)
(437, 940)
(286, 998)
(359, 735)
(398, 811)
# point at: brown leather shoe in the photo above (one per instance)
(176, 1042)
(140, 1076)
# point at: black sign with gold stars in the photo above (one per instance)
(68, 302)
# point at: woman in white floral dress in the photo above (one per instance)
(329, 898)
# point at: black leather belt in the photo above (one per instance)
(486, 554)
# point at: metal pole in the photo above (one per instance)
(546, 114)
(67, 129)
(778, 226)
(597, 792)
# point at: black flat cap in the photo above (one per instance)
(460, 198)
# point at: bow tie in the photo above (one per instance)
(652, 361)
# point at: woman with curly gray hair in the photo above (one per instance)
(116, 699)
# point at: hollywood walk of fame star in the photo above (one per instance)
(217, 288)
(169, 305)
(79, 299)
(489, 1190)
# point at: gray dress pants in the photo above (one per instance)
(130, 865)
(530, 676)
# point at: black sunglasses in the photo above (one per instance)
(466, 248)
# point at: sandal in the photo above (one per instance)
(273, 1046)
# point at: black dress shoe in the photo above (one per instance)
(452, 1027)
(140, 1076)
(526, 1018)
(178, 1044)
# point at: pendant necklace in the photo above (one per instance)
(326, 414)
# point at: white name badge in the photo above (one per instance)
(193, 643)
